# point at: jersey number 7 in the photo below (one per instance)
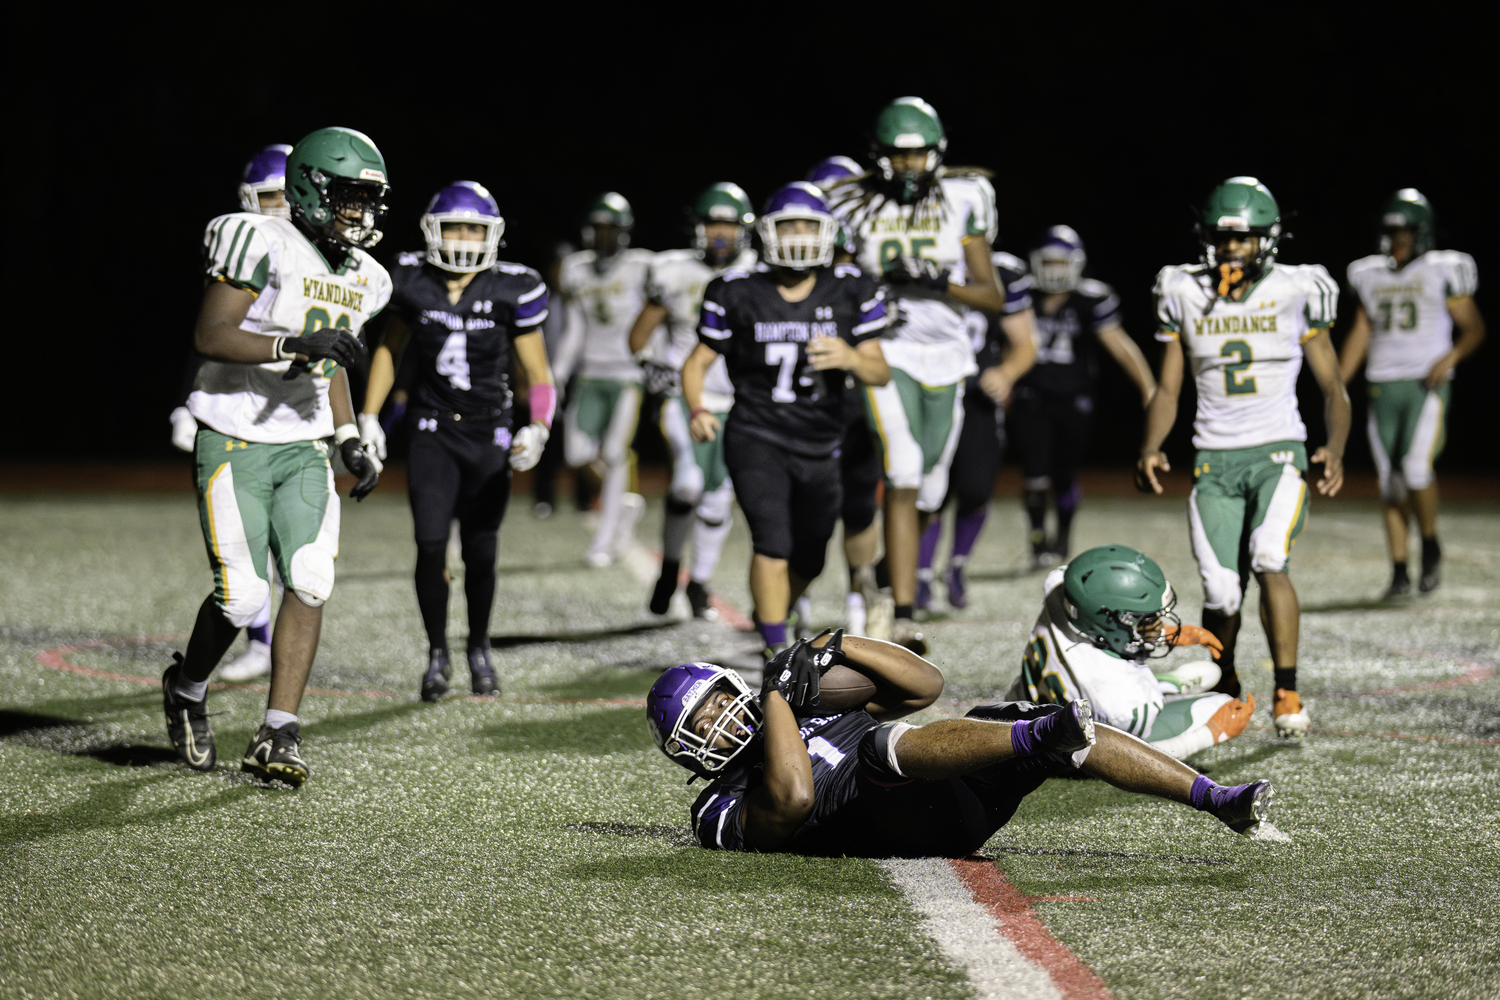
(784, 355)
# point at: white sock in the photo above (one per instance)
(191, 690)
(708, 544)
(275, 718)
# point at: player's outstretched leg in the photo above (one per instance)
(184, 686)
(274, 753)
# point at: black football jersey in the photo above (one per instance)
(1066, 358)
(832, 741)
(990, 342)
(462, 351)
(778, 396)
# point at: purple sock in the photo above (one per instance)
(774, 633)
(966, 529)
(1067, 501)
(927, 548)
(1199, 795)
(1021, 740)
(260, 633)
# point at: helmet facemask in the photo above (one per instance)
(250, 198)
(1135, 635)
(1056, 268)
(462, 256)
(1234, 272)
(727, 735)
(341, 198)
(797, 251)
(907, 187)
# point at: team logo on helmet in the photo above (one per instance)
(679, 694)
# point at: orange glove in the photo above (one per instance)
(1194, 635)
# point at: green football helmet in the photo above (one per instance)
(1408, 209)
(337, 172)
(908, 124)
(610, 211)
(723, 202)
(1119, 599)
(1240, 205)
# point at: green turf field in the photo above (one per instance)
(535, 845)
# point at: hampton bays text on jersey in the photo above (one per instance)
(766, 333)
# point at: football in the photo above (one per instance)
(844, 688)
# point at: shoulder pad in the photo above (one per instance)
(1007, 260)
(410, 258)
(728, 276)
(506, 267)
(1375, 261)
(846, 271)
(1094, 289)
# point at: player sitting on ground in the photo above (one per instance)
(1107, 614)
(789, 775)
(465, 313)
(1411, 296)
(285, 303)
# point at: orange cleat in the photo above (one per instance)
(1289, 715)
(1231, 719)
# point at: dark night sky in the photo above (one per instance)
(124, 149)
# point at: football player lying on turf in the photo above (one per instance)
(791, 773)
(1105, 616)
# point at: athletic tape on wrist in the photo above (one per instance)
(344, 432)
(543, 400)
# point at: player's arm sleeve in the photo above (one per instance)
(531, 308)
(1017, 291)
(1322, 306)
(713, 319)
(875, 313)
(1168, 309)
(1463, 276)
(235, 251)
(718, 820)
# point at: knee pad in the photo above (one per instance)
(1222, 591)
(687, 483)
(311, 571)
(479, 549)
(808, 565)
(714, 508)
(1416, 473)
(245, 601)
(578, 447)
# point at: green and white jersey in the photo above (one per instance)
(295, 292)
(1410, 326)
(1245, 355)
(931, 342)
(676, 282)
(601, 308)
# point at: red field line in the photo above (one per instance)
(1015, 919)
(1474, 673)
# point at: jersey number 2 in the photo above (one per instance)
(784, 355)
(1236, 382)
(453, 360)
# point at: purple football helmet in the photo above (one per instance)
(1058, 260)
(462, 201)
(266, 172)
(680, 692)
(798, 251)
(832, 171)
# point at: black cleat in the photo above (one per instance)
(666, 586)
(1242, 808)
(435, 681)
(1432, 576)
(273, 755)
(482, 672)
(1399, 589)
(701, 600)
(1068, 730)
(187, 723)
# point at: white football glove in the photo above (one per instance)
(184, 429)
(372, 435)
(527, 446)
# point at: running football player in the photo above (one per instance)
(1004, 346)
(788, 334)
(1245, 322)
(463, 311)
(1411, 296)
(1054, 403)
(1107, 615)
(279, 325)
(786, 775)
(926, 230)
(664, 334)
(604, 290)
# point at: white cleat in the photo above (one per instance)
(1290, 716)
(854, 613)
(254, 662)
(598, 558)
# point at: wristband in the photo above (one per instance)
(344, 432)
(543, 400)
(693, 414)
(280, 351)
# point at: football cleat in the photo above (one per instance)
(1431, 577)
(854, 613)
(482, 673)
(632, 506)
(274, 755)
(598, 558)
(905, 633)
(254, 662)
(1289, 715)
(1065, 731)
(435, 681)
(1242, 808)
(1399, 589)
(1231, 719)
(187, 723)
(958, 587)
(924, 594)
(700, 599)
(666, 586)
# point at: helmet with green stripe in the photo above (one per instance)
(908, 146)
(607, 224)
(1408, 209)
(1237, 210)
(725, 203)
(1119, 599)
(336, 187)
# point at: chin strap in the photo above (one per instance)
(1229, 276)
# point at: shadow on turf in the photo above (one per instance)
(1003, 575)
(510, 641)
(721, 871)
(107, 807)
(587, 732)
